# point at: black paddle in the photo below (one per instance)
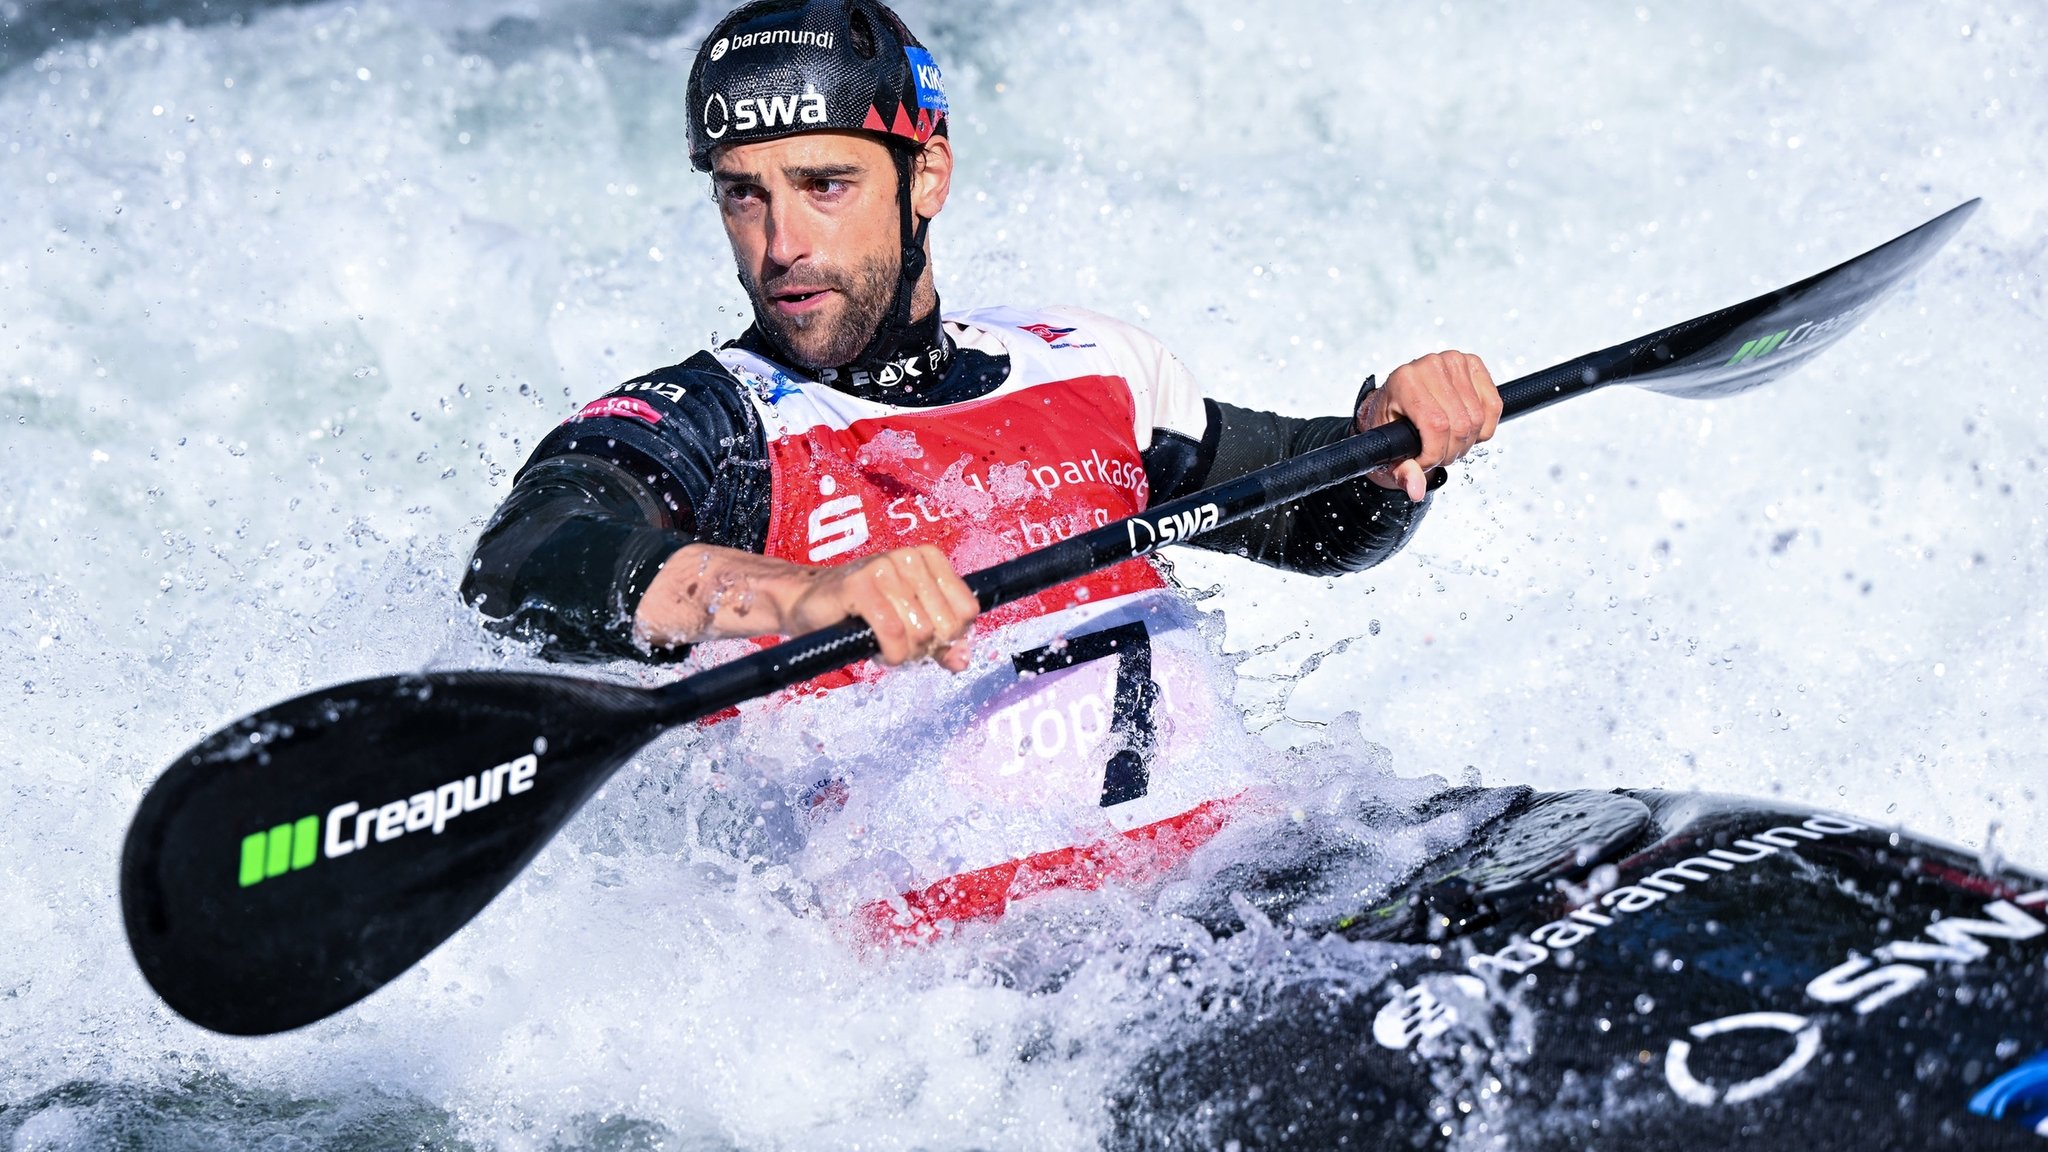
(301, 858)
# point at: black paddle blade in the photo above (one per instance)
(1793, 324)
(1752, 343)
(293, 863)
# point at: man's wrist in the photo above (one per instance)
(641, 559)
(705, 592)
(1359, 405)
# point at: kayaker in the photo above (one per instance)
(856, 448)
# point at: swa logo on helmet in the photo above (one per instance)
(751, 112)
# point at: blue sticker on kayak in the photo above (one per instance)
(2020, 1096)
(931, 87)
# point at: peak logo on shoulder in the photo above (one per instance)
(296, 844)
(751, 112)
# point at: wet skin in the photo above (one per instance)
(816, 232)
(816, 235)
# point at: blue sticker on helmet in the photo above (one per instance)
(931, 88)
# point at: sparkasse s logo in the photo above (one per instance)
(838, 525)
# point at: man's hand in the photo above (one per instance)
(1451, 400)
(917, 605)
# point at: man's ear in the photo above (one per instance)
(932, 177)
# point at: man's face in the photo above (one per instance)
(816, 230)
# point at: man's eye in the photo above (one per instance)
(829, 187)
(741, 194)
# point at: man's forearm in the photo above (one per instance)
(1348, 528)
(705, 592)
(585, 560)
(568, 556)
(916, 604)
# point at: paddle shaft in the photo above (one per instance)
(280, 945)
(816, 653)
(1691, 358)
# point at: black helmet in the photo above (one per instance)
(775, 68)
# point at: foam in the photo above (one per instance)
(263, 370)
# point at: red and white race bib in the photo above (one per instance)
(1088, 752)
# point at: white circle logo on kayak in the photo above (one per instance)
(1689, 1088)
(718, 49)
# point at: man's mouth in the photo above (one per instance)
(796, 301)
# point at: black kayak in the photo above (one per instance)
(1635, 970)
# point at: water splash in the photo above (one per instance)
(284, 300)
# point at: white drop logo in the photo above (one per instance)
(1417, 1014)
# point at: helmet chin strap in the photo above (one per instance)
(895, 336)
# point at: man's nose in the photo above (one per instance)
(789, 237)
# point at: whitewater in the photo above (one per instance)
(286, 297)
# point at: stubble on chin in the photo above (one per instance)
(829, 337)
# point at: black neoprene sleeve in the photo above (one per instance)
(569, 554)
(608, 497)
(1348, 528)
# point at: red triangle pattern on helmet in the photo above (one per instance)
(874, 121)
(902, 125)
(925, 123)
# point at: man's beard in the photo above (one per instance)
(816, 341)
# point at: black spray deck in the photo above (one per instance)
(1637, 970)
